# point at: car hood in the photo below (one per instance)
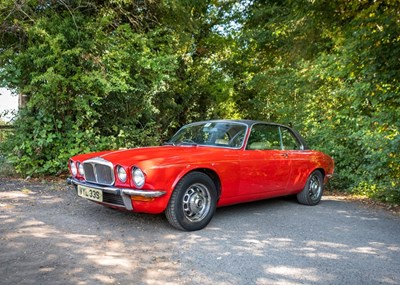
(165, 155)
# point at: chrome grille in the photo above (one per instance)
(98, 170)
(89, 172)
(104, 174)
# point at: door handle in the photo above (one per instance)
(286, 155)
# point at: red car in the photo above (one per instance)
(205, 165)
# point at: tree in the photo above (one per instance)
(104, 74)
(332, 69)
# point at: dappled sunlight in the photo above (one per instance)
(12, 195)
(106, 257)
(33, 228)
(80, 237)
(295, 275)
(324, 244)
(304, 253)
(104, 279)
(307, 274)
(324, 255)
(348, 215)
(379, 250)
(365, 250)
(20, 198)
(110, 253)
(5, 206)
(394, 248)
(161, 269)
(275, 281)
(252, 244)
(50, 200)
(40, 232)
(114, 258)
(6, 219)
(389, 281)
(46, 269)
(85, 243)
(50, 248)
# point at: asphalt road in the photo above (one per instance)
(50, 236)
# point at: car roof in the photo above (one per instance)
(246, 122)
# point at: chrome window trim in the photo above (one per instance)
(233, 122)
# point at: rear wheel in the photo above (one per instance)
(312, 192)
(193, 202)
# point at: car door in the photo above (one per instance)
(300, 160)
(265, 167)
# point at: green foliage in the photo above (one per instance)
(332, 69)
(110, 74)
(103, 75)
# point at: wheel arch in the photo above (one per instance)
(312, 191)
(209, 172)
(214, 177)
(320, 169)
(307, 174)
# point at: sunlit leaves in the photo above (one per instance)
(333, 69)
(105, 74)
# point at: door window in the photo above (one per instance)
(272, 137)
(289, 141)
(264, 137)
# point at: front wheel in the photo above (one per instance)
(312, 192)
(193, 202)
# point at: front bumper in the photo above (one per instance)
(125, 194)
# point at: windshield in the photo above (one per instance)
(221, 134)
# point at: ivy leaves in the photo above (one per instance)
(108, 74)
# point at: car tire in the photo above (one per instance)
(312, 193)
(193, 202)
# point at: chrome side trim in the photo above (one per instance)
(143, 193)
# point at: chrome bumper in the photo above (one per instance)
(124, 193)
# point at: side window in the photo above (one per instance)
(289, 141)
(264, 137)
(222, 138)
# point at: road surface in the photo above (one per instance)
(48, 235)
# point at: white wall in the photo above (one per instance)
(7, 102)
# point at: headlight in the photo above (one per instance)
(138, 177)
(121, 172)
(80, 169)
(74, 170)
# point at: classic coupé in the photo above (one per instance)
(205, 165)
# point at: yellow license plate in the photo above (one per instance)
(90, 193)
